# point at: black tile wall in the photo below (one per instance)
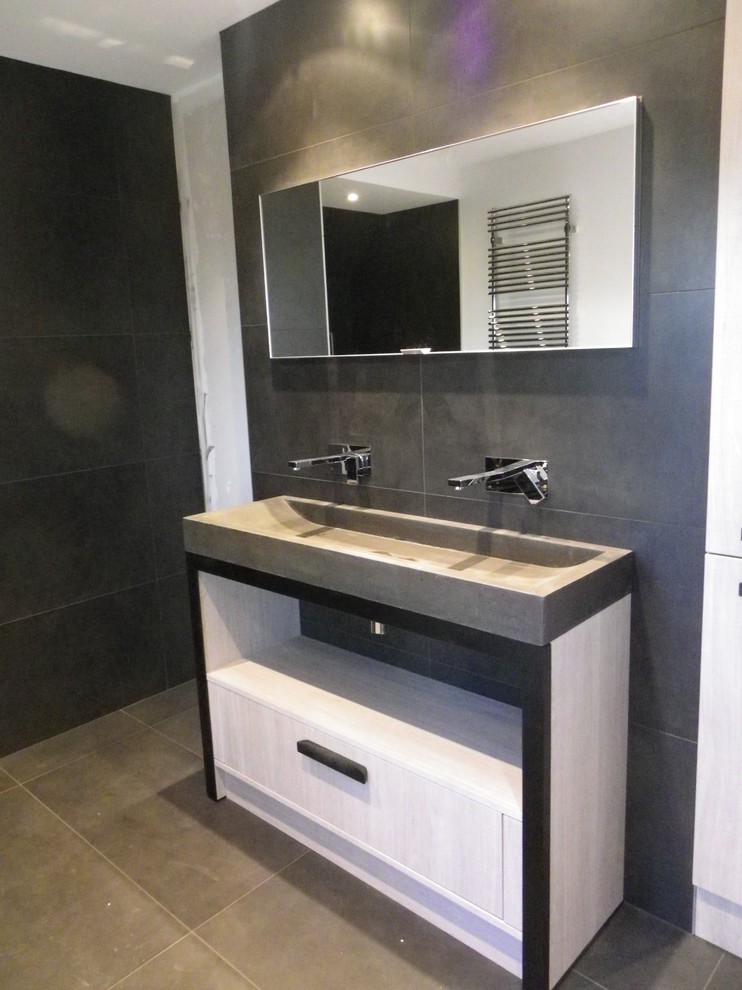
(99, 457)
(625, 432)
(71, 665)
(69, 403)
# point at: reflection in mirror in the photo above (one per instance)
(408, 255)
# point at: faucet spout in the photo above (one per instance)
(509, 476)
(354, 460)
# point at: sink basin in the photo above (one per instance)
(529, 588)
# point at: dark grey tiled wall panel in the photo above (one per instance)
(165, 377)
(57, 132)
(152, 233)
(622, 430)
(625, 431)
(69, 403)
(314, 71)
(460, 50)
(177, 636)
(66, 271)
(73, 536)
(659, 833)
(75, 664)
(175, 490)
(144, 147)
(99, 458)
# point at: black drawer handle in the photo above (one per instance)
(334, 761)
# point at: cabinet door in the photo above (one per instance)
(718, 850)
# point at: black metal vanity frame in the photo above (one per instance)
(534, 692)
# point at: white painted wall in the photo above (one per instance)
(211, 270)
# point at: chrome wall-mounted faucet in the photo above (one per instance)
(509, 476)
(354, 460)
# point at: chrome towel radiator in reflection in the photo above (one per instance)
(529, 274)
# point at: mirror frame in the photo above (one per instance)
(633, 103)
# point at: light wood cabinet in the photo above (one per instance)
(717, 866)
(503, 826)
(718, 849)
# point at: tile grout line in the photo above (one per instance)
(188, 929)
(138, 969)
(85, 755)
(247, 893)
(225, 960)
(708, 982)
(590, 981)
(103, 856)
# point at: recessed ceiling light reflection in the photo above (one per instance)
(352, 197)
(69, 28)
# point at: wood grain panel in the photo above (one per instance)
(239, 621)
(437, 758)
(589, 719)
(469, 743)
(724, 530)
(433, 832)
(717, 865)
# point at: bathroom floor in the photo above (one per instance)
(117, 871)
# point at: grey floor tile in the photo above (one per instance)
(184, 729)
(161, 706)
(573, 981)
(142, 802)
(637, 951)
(188, 965)
(6, 782)
(729, 974)
(68, 746)
(314, 927)
(70, 919)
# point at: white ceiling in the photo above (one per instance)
(162, 45)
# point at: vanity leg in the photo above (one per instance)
(214, 782)
(536, 821)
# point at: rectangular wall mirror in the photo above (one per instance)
(523, 240)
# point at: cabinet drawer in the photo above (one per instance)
(428, 829)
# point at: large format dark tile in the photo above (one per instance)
(68, 404)
(314, 927)
(660, 822)
(154, 249)
(298, 73)
(459, 50)
(177, 636)
(313, 403)
(166, 394)
(74, 664)
(70, 919)
(159, 707)
(184, 966)
(56, 132)
(145, 153)
(66, 272)
(729, 974)
(175, 490)
(142, 802)
(351, 633)
(184, 729)
(73, 536)
(6, 781)
(637, 951)
(625, 432)
(25, 764)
